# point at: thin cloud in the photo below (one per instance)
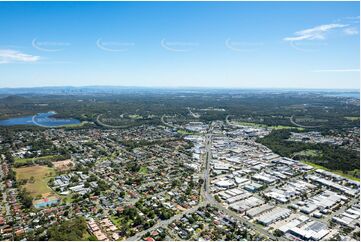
(354, 20)
(338, 70)
(14, 56)
(57, 62)
(315, 33)
(353, 17)
(350, 31)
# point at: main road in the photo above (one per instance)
(206, 198)
(209, 199)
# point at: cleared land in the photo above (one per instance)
(63, 165)
(39, 184)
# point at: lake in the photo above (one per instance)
(40, 119)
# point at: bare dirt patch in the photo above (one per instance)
(63, 165)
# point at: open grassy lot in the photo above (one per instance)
(135, 116)
(309, 153)
(81, 124)
(143, 170)
(256, 125)
(115, 220)
(41, 176)
(352, 118)
(184, 132)
(286, 127)
(26, 161)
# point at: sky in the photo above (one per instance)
(181, 44)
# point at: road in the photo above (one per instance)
(194, 115)
(228, 122)
(205, 192)
(168, 124)
(233, 124)
(207, 160)
(302, 126)
(5, 197)
(207, 198)
(5, 202)
(108, 125)
(165, 223)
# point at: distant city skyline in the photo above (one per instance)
(302, 45)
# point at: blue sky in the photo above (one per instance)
(172, 44)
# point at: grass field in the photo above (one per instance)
(115, 220)
(256, 125)
(184, 132)
(143, 170)
(286, 127)
(81, 124)
(135, 116)
(309, 153)
(352, 118)
(346, 175)
(41, 175)
(24, 161)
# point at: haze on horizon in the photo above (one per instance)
(181, 44)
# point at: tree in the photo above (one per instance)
(138, 221)
(278, 233)
(73, 229)
(92, 238)
(356, 235)
(25, 198)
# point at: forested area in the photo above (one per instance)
(329, 156)
(259, 107)
(131, 108)
(69, 230)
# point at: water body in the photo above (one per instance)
(40, 119)
(345, 94)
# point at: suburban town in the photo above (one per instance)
(186, 181)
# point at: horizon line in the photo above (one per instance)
(184, 87)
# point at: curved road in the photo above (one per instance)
(109, 126)
(229, 123)
(302, 126)
(167, 124)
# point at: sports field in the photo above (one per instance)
(41, 176)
